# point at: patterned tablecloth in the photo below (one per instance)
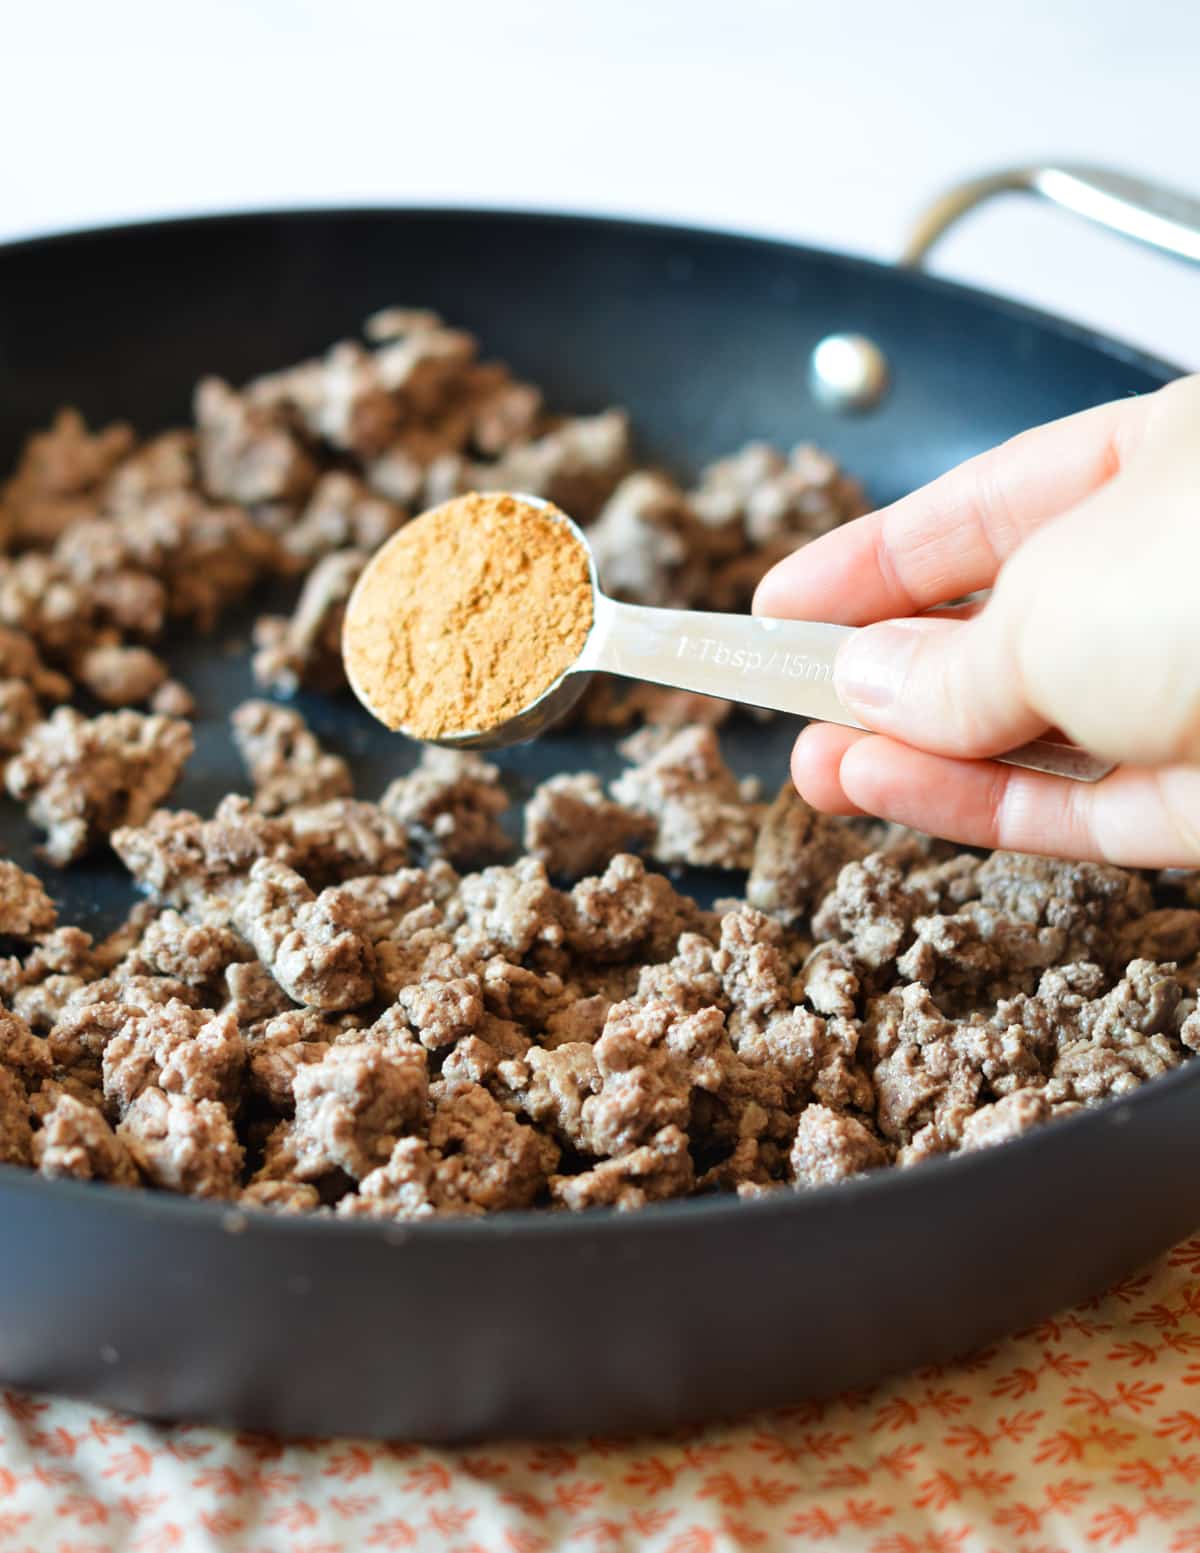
(1081, 1434)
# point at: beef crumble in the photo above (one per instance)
(82, 779)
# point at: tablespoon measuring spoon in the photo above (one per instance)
(781, 665)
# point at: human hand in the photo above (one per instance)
(1088, 533)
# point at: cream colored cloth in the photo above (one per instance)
(1079, 1436)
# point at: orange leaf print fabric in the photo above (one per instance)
(1079, 1435)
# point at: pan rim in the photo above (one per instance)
(1018, 312)
(696, 1215)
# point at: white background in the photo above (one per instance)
(829, 122)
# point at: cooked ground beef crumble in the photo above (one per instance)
(377, 1005)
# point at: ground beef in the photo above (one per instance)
(162, 464)
(197, 953)
(119, 675)
(284, 759)
(442, 1009)
(315, 946)
(507, 911)
(798, 855)
(20, 713)
(281, 1196)
(83, 779)
(1006, 1118)
(304, 650)
(353, 1105)
(420, 948)
(396, 905)
(828, 982)
(21, 1051)
(26, 911)
(16, 1132)
(649, 1060)
(172, 699)
(833, 1146)
(280, 1045)
(572, 827)
(489, 1159)
(41, 601)
(627, 912)
(117, 945)
(299, 1019)
(656, 1170)
(872, 909)
(649, 546)
(180, 557)
(75, 1141)
(773, 505)
(451, 805)
(253, 994)
(477, 1158)
(576, 465)
(342, 513)
(173, 1048)
(59, 968)
(20, 661)
(247, 451)
(1119, 1040)
(97, 1011)
(550, 1087)
(182, 860)
(183, 1145)
(702, 814)
(58, 478)
(1083, 904)
(344, 839)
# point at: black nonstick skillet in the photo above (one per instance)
(551, 1324)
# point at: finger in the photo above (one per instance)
(950, 537)
(1135, 817)
(1105, 651)
(950, 686)
(816, 758)
(1104, 625)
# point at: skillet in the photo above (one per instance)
(531, 1324)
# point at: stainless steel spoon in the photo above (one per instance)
(784, 665)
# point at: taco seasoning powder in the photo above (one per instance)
(467, 615)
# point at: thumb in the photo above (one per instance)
(950, 686)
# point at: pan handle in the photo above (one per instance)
(1147, 212)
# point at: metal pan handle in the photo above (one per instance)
(1147, 212)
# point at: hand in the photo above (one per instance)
(1088, 533)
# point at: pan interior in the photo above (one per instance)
(705, 338)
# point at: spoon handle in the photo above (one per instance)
(785, 665)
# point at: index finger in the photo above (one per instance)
(1137, 818)
(950, 537)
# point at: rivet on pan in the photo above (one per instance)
(109, 1354)
(848, 372)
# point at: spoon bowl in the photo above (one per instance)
(557, 699)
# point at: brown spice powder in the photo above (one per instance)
(467, 615)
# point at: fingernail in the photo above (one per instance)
(872, 665)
